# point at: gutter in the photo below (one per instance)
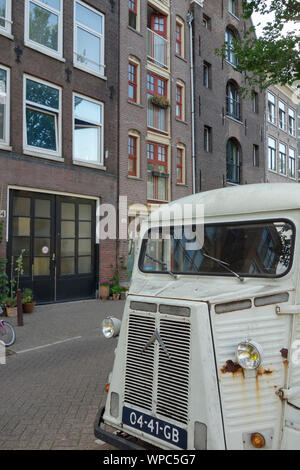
(190, 19)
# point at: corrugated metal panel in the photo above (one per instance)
(295, 371)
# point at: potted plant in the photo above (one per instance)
(116, 292)
(160, 101)
(104, 289)
(10, 304)
(27, 301)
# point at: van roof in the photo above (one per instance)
(245, 199)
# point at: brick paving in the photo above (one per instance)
(49, 396)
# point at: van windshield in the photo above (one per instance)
(258, 249)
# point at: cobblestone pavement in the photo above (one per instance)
(54, 379)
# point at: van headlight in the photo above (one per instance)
(111, 327)
(249, 355)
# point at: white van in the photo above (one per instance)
(208, 355)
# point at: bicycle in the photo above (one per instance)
(7, 333)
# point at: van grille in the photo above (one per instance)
(153, 366)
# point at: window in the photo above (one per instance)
(157, 102)
(256, 155)
(133, 13)
(88, 141)
(292, 163)
(4, 105)
(232, 7)
(272, 154)
(44, 25)
(233, 161)
(255, 102)
(42, 117)
(271, 108)
(132, 82)
(157, 38)
(179, 37)
(206, 21)
(180, 101)
(207, 139)
(292, 128)
(282, 159)
(206, 75)
(132, 153)
(157, 170)
(282, 115)
(180, 164)
(233, 105)
(5, 17)
(230, 37)
(89, 39)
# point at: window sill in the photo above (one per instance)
(233, 15)
(95, 166)
(182, 185)
(90, 71)
(44, 51)
(5, 33)
(4, 146)
(135, 31)
(136, 178)
(235, 120)
(45, 156)
(136, 104)
(233, 184)
(181, 58)
(234, 66)
(273, 124)
(181, 120)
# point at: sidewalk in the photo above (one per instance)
(54, 378)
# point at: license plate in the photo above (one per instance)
(156, 427)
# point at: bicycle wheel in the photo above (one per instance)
(7, 333)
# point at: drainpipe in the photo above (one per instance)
(190, 20)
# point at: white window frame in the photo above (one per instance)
(269, 154)
(100, 163)
(271, 97)
(292, 114)
(35, 45)
(77, 64)
(292, 156)
(6, 30)
(37, 151)
(280, 153)
(4, 143)
(282, 107)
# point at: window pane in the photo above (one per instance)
(42, 208)
(68, 229)
(89, 18)
(67, 266)
(84, 264)
(85, 212)
(19, 244)
(21, 206)
(68, 211)
(87, 110)
(3, 85)
(41, 130)
(87, 144)
(42, 246)
(21, 226)
(85, 229)
(42, 228)
(41, 266)
(67, 247)
(84, 247)
(42, 94)
(43, 26)
(88, 49)
(52, 3)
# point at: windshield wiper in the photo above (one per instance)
(163, 264)
(223, 264)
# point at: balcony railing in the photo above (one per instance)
(157, 49)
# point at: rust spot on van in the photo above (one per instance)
(231, 367)
(262, 371)
(284, 353)
(286, 363)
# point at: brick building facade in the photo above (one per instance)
(58, 141)
(281, 134)
(229, 130)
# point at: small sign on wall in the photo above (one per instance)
(2, 214)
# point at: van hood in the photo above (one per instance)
(213, 290)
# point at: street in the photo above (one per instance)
(55, 375)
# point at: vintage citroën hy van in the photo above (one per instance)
(208, 355)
